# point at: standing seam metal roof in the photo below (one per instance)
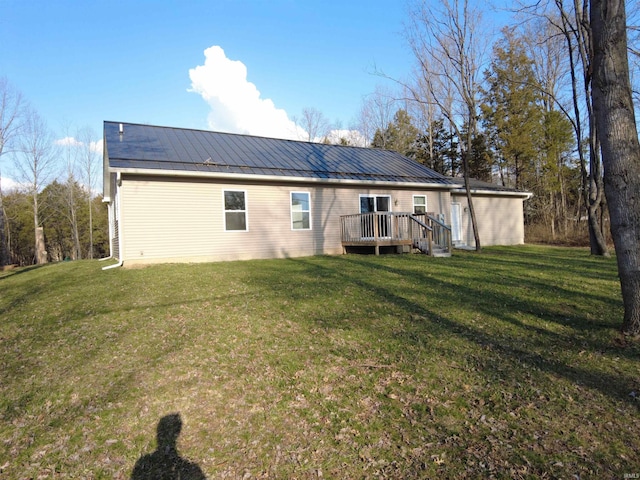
(176, 149)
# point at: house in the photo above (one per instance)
(181, 195)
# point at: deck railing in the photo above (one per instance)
(395, 228)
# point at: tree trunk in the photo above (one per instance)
(590, 179)
(90, 226)
(467, 187)
(616, 125)
(594, 199)
(596, 239)
(77, 250)
(41, 251)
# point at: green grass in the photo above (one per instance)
(506, 364)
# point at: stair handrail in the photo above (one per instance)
(420, 222)
(428, 233)
(443, 227)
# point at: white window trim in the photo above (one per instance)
(375, 196)
(308, 211)
(246, 210)
(426, 201)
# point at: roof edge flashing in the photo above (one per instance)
(277, 178)
(479, 191)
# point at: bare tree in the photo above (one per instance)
(314, 123)
(376, 112)
(614, 112)
(448, 43)
(88, 163)
(69, 148)
(11, 111)
(34, 162)
(425, 114)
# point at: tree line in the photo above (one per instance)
(53, 212)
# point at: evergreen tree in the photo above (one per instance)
(440, 152)
(100, 229)
(532, 143)
(400, 135)
(512, 114)
(19, 228)
(480, 159)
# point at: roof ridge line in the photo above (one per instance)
(249, 135)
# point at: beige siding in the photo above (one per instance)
(183, 220)
(500, 220)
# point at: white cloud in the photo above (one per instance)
(68, 142)
(353, 137)
(95, 146)
(8, 185)
(235, 102)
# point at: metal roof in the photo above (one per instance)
(479, 186)
(167, 149)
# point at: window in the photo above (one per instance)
(419, 204)
(375, 203)
(300, 211)
(235, 210)
(375, 225)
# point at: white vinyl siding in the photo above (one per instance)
(300, 211)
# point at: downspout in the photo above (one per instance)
(115, 265)
(121, 261)
(110, 213)
(111, 220)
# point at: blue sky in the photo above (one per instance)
(82, 62)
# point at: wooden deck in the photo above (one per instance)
(392, 229)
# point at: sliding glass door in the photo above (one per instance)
(376, 204)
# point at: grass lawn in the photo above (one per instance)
(505, 364)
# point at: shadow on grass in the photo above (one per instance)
(510, 349)
(165, 463)
(502, 301)
(18, 270)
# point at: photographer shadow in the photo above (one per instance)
(165, 463)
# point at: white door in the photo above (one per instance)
(456, 223)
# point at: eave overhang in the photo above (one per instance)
(277, 178)
(502, 193)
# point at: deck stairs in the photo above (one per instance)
(436, 251)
